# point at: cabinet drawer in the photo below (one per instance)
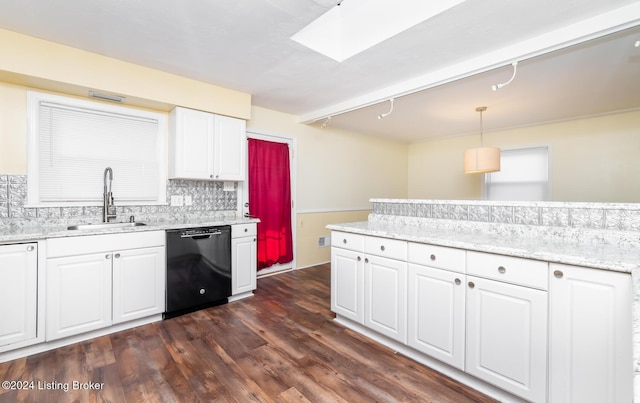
(240, 230)
(439, 257)
(385, 247)
(514, 270)
(346, 240)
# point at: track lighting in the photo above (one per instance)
(496, 87)
(384, 115)
(326, 123)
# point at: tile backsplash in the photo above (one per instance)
(600, 216)
(207, 198)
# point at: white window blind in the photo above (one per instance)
(523, 175)
(75, 140)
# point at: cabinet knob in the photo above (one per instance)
(254, 239)
(246, 230)
(432, 257)
(457, 281)
(471, 284)
(382, 248)
(117, 255)
(344, 240)
(211, 176)
(30, 248)
(502, 270)
(202, 291)
(107, 256)
(217, 176)
(359, 258)
(558, 274)
(366, 260)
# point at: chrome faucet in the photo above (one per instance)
(108, 207)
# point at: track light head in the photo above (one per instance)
(384, 115)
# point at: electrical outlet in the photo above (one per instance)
(188, 201)
(177, 201)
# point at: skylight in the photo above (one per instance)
(357, 25)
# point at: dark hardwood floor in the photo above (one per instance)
(281, 345)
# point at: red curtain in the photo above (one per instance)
(270, 200)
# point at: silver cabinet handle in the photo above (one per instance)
(502, 270)
(30, 248)
(432, 257)
(382, 248)
(471, 285)
(558, 274)
(117, 255)
(458, 281)
(107, 256)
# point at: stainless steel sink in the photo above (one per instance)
(104, 225)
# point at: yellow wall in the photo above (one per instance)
(13, 129)
(38, 63)
(594, 159)
(311, 226)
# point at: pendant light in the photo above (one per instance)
(482, 159)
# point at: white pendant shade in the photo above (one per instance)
(482, 160)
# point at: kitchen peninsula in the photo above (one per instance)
(521, 300)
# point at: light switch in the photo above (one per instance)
(177, 201)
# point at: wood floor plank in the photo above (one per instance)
(282, 345)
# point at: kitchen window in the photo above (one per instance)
(71, 142)
(524, 175)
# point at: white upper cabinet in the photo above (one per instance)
(206, 146)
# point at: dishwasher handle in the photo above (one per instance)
(200, 236)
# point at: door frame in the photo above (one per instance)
(243, 194)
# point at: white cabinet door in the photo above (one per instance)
(436, 313)
(78, 294)
(590, 335)
(385, 290)
(138, 283)
(243, 265)
(507, 337)
(18, 292)
(347, 284)
(192, 144)
(230, 149)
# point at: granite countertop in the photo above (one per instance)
(37, 232)
(574, 249)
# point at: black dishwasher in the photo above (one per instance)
(198, 269)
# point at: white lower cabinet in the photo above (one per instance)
(138, 283)
(436, 313)
(385, 291)
(18, 293)
(541, 332)
(244, 259)
(507, 337)
(78, 294)
(347, 284)
(95, 281)
(591, 353)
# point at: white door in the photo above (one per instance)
(436, 313)
(347, 284)
(591, 349)
(138, 283)
(243, 209)
(385, 297)
(18, 292)
(243, 262)
(507, 337)
(78, 294)
(230, 149)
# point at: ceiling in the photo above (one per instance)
(439, 71)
